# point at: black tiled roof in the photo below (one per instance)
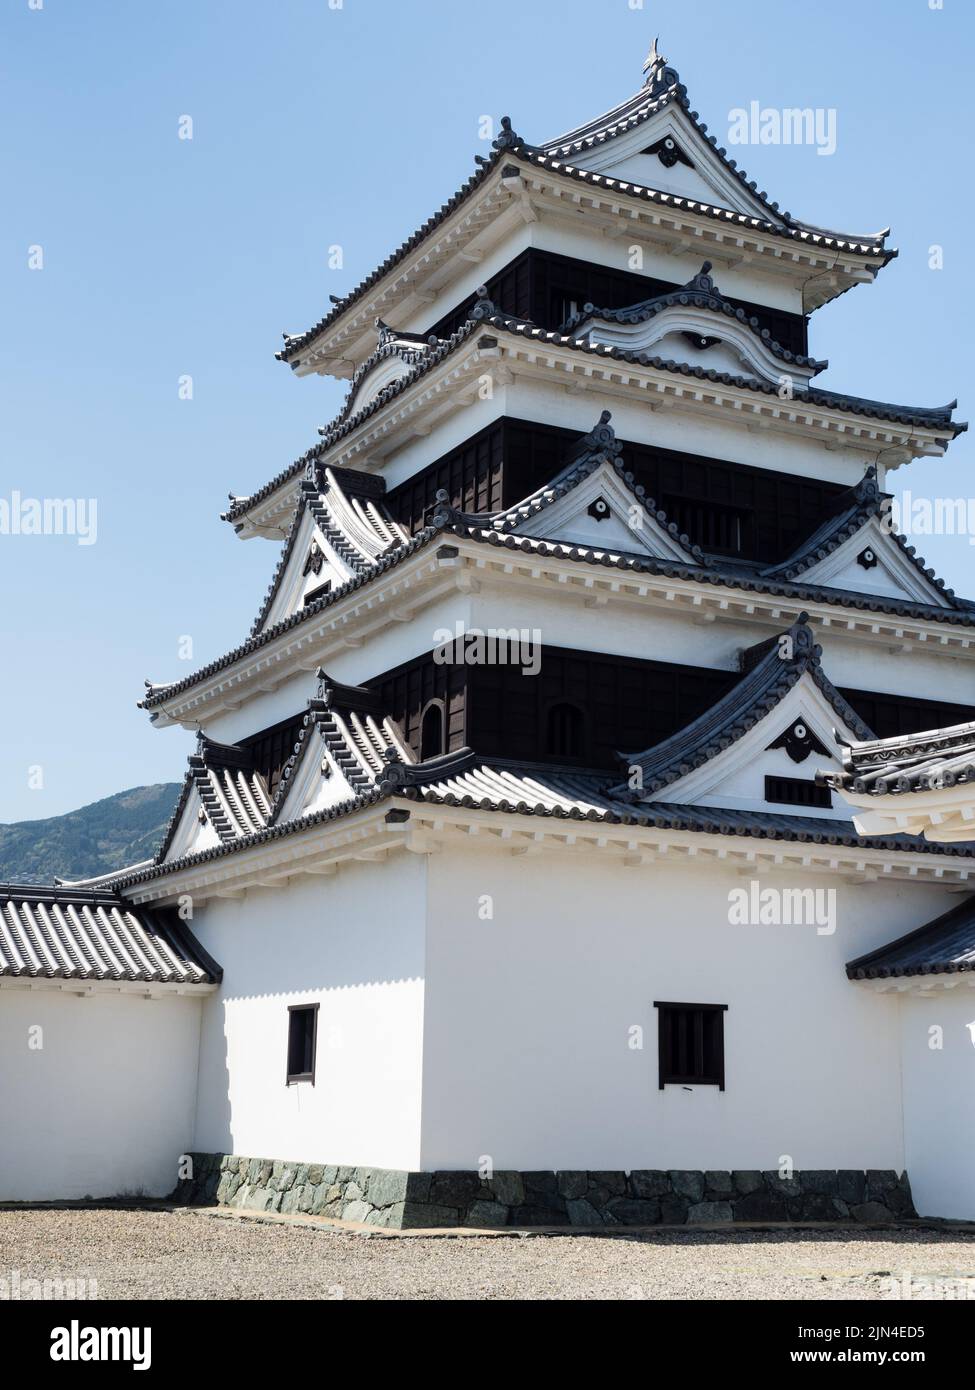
(663, 88)
(484, 313)
(945, 946)
(718, 573)
(464, 780)
(70, 933)
(921, 762)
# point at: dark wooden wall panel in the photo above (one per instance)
(628, 704)
(731, 508)
(470, 474)
(889, 716)
(548, 288)
(406, 692)
(271, 749)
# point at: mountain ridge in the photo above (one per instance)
(99, 838)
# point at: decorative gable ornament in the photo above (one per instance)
(668, 152)
(697, 314)
(315, 560)
(594, 487)
(799, 741)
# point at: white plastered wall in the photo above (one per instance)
(353, 944)
(528, 1018)
(939, 1098)
(105, 1106)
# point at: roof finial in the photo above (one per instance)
(508, 139)
(653, 57)
(601, 440)
(483, 307)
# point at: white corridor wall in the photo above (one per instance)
(938, 1064)
(105, 1106)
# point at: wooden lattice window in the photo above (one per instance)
(691, 1044)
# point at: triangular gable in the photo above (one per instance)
(335, 535)
(735, 778)
(190, 830)
(594, 503)
(873, 562)
(308, 563)
(599, 508)
(223, 799)
(776, 723)
(858, 551)
(654, 140)
(340, 755)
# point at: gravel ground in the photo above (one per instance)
(190, 1255)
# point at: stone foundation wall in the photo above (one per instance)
(643, 1197)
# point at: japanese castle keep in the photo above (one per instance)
(515, 877)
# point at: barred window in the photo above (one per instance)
(691, 1044)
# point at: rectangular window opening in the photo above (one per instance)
(690, 1044)
(797, 791)
(302, 1042)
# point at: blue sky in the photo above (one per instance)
(312, 126)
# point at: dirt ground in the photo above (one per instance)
(189, 1254)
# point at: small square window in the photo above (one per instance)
(302, 1040)
(691, 1044)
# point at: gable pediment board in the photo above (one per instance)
(334, 538)
(872, 562)
(774, 718)
(341, 753)
(858, 551)
(190, 829)
(697, 325)
(735, 777)
(643, 154)
(654, 138)
(593, 502)
(307, 562)
(222, 800)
